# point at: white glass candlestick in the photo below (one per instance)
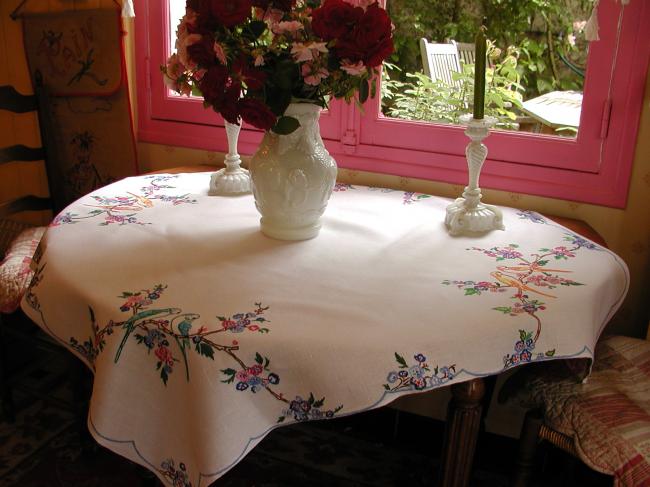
(467, 215)
(233, 179)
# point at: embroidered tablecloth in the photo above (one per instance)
(204, 334)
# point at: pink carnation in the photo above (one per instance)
(312, 75)
(354, 69)
(287, 26)
(181, 47)
(307, 51)
(220, 52)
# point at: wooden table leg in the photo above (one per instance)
(463, 423)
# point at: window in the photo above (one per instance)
(593, 167)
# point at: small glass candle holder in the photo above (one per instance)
(467, 215)
(233, 179)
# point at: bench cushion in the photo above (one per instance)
(15, 270)
(608, 416)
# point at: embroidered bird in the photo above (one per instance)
(512, 282)
(143, 200)
(130, 324)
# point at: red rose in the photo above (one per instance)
(370, 40)
(253, 78)
(334, 19)
(231, 12)
(213, 85)
(256, 113)
(202, 52)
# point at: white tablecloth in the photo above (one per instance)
(204, 334)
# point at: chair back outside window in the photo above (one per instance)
(439, 60)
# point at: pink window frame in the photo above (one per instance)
(593, 168)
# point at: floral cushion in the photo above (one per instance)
(15, 271)
(608, 416)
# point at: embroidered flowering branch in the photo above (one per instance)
(530, 278)
(123, 209)
(419, 376)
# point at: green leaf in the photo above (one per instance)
(550, 353)
(163, 375)
(205, 350)
(319, 403)
(387, 387)
(229, 371)
(280, 419)
(286, 125)
(471, 291)
(400, 360)
(542, 262)
(364, 90)
(504, 309)
(259, 359)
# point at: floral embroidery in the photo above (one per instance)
(472, 287)
(529, 278)
(169, 335)
(419, 376)
(177, 476)
(340, 187)
(411, 197)
(123, 209)
(532, 216)
(307, 409)
(523, 350)
(251, 377)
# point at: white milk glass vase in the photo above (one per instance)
(292, 177)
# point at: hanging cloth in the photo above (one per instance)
(127, 9)
(591, 28)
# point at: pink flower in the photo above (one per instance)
(241, 376)
(307, 51)
(354, 69)
(220, 53)
(181, 47)
(312, 75)
(164, 355)
(290, 26)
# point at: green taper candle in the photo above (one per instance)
(479, 74)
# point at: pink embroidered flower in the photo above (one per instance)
(354, 69)
(242, 376)
(307, 51)
(220, 52)
(255, 369)
(313, 76)
(164, 354)
(228, 324)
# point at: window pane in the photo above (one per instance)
(176, 12)
(536, 62)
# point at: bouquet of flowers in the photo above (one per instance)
(249, 59)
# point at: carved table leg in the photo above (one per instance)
(463, 423)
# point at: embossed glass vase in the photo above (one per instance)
(292, 177)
